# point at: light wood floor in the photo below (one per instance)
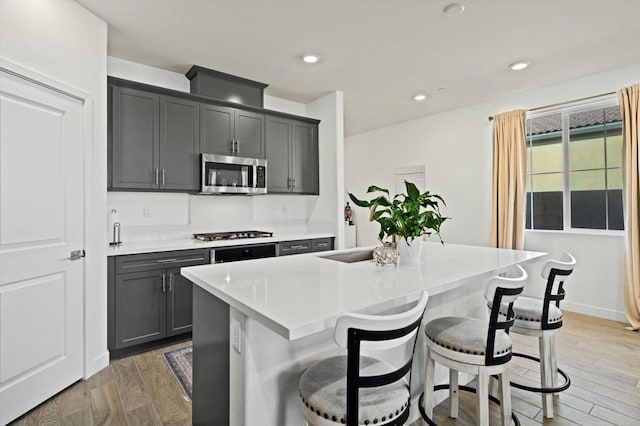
(601, 357)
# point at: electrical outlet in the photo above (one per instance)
(236, 335)
(146, 211)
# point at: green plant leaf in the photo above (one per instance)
(374, 188)
(358, 202)
(412, 190)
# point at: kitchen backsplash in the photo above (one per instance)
(148, 216)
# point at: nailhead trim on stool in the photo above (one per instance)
(332, 372)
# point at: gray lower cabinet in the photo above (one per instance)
(292, 156)
(231, 131)
(148, 299)
(286, 248)
(154, 141)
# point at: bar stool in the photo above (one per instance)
(474, 346)
(543, 319)
(354, 389)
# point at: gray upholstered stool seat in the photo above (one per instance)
(323, 389)
(528, 312)
(466, 335)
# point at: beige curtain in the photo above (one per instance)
(630, 107)
(509, 177)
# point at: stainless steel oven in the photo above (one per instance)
(224, 174)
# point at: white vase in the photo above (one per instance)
(409, 254)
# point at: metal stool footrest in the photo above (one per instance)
(562, 387)
(492, 398)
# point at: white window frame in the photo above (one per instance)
(605, 101)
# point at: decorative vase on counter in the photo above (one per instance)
(409, 254)
(386, 254)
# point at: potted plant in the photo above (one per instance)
(405, 218)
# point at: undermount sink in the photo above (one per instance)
(351, 257)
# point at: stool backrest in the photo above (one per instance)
(556, 273)
(397, 329)
(502, 291)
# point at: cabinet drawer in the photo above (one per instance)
(322, 244)
(161, 260)
(294, 247)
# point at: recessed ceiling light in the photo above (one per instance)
(310, 59)
(420, 97)
(453, 9)
(518, 66)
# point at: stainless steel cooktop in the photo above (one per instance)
(235, 235)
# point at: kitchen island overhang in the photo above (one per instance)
(274, 317)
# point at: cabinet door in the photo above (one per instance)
(249, 134)
(304, 158)
(179, 303)
(135, 139)
(278, 139)
(216, 129)
(179, 144)
(140, 308)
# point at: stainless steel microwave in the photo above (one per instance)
(224, 174)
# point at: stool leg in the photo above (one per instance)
(505, 397)
(545, 375)
(482, 390)
(428, 385)
(453, 392)
(554, 361)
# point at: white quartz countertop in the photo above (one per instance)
(135, 247)
(297, 296)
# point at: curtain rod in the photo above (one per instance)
(565, 102)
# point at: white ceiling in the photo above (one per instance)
(379, 52)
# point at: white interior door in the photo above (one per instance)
(41, 221)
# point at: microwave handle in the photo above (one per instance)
(254, 181)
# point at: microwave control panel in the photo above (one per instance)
(261, 177)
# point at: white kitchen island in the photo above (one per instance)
(259, 324)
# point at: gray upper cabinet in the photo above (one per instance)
(231, 131)
(154, 141)
(179, 144)
(217, 130)
(304, 155)
(278, 135)
(135, 138)
(292, 156)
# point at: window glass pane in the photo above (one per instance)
(548, 210)
(592, 180)
(614, 179)
(614, 146)
(612, 114)
(527, 222)
(616, 219)
(546, 155)
(548, 182)
(586, 151)
(588, 209)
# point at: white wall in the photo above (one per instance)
(329, 109)
(178, 215)
(456, 147)
(67, 43)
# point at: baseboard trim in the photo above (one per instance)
(594, 311)
(96, 364)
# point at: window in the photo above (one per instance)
(574, 168)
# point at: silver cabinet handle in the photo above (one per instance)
(233, 145)
(237, 146)
(156, 176)
(165, 260)
(322, 244)
(162, 176)
(170, 281)
(293, 183)
(164, 288)
(299, 247)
